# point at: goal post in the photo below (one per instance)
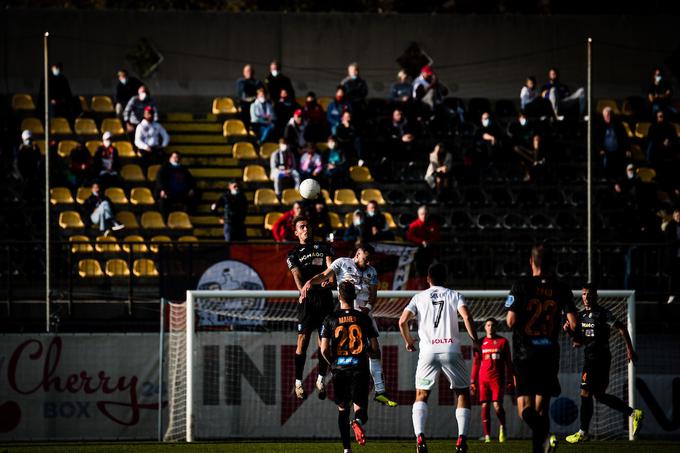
(228, 359)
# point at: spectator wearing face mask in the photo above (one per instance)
(276, 81)
(336, 165)
(282, 167)
(27, 159)
(356, 88)
(175, 185)
(660, 93)
(262, 117)
(402, 90)
(284, 107)
(315, 118)
(99, 210)
(134, 111)
(106, 166)
(336, 108)
(438, 174)
(357, 230)
(283, 229)
(296, 131)
(376, 225)
(126, 89)
(311, 165)
(246, 92)
(235, 207)
(61, 97)
(520, 131)
(488, 140)
(151, 138)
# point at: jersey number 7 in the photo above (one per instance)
(439, 306)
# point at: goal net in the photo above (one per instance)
(230, 369)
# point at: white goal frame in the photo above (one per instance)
(191, 332)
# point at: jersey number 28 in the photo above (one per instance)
(349, 339)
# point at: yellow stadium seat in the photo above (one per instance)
(326, 196)
(345, 197)
(602, 103)
(112, 125)
(321, 147)
(265, 197)
(65, 147)
(86, 126)
(187, 239)
(290, 196)
(132, 173)
(234, 129)
(223, 106)
(117, 268)
(144, 268)
(117, 195)
(101, 104)
(179, 221)
(60, 195)
(152, 172)
(244, 151)
(160, 239)
(152, 220)
(70, 220)
(391, 224)
(135, 244)
(270, 219)
(641, 129)
(646, 174)
(125, 149)
(141, 196)
(92, 146)
(371, 194)
(267, 149)
(83, 104)
(677, 128)
(336, 223)
(128, 219)
(22, 101)
(255, 173)
(324, 101)
(80, 244)
(360, 174)
(626, 127)
(83, 194)
(106, 244)
(90, 268)
(349, 218)
(32, 124)
(60, 126)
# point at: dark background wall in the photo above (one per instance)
(204, 52)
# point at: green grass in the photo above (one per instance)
(378, 446)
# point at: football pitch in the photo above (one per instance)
(377, 446)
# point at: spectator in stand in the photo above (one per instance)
(488, 140)
(357, 230)
(98, 208)
(336, 108)
(136, 106)
(80, 166)
(126, 89)
(235, 208)
(262, 116)
(438, 175)
(151, 138)
(336, 165)
(295, 132)
(61, 97)
(311, 165)
(612, 141)
(106, 164)
(428, 89)
(27, 159)
(315, 118)
(528, 94)
(283, 111)
(425, 232)
(400, 128)
(660, 93)
(276, 81)
(402, 90)
(348, 139)
(428, 95)
(520, 131)
(283, 229)
(356, 88)
(661, 139)
(376, 227)
(673, 238)
(561, 98)
(533, 160)
(282, 167)
(246, 92)
(175, 185)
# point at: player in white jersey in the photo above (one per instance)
(359, 272)
(436, 310)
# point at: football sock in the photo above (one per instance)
(500, 413)
(376, 373)
(586, 412)
(343, 425)
(463, 419)
(419, 415)
(539, 428)
(361, 416)
(299, 365)
(486, 419)
(615, 403)
(323, 365)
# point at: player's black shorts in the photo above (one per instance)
(351, 386)
(537, 375)
(595, 376)
(313, 310)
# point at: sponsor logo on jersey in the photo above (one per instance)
(443, 341)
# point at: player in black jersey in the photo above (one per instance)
(305, 261)
(595, 324)
(535, 306)
(347, 336)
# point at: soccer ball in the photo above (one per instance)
(309, 189)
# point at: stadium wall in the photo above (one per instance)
(92, 387)
(486, 55)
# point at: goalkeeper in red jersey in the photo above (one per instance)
(491, 375)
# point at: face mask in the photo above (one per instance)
(371, 214)
(353, 77)
(331, 145)
(174, 164)
(283, 147)
(657, 78)
(523, 121)
(56, 71)
(234, 191)
(631, 174)
(356, 222)
(275, 73)
(123, 81)
(486, 122)
(107, 143)
(260, 98)
(142, 95)
(95, 193)
(28, 141)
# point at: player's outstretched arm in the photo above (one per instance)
(630, 351)
(469, 326)
(316, 280)
(406, 316)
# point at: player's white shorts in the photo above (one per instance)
(451, 363)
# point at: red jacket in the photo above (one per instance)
(419, 231)
(283, 228)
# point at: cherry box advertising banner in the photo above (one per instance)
(78, 386)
